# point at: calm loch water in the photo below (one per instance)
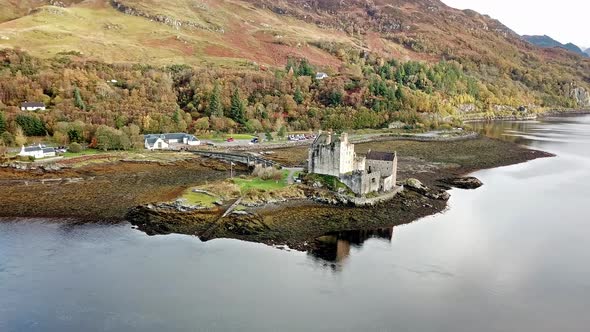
(511, 256)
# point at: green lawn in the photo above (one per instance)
(257, 183)
(201, 199)
(87, 152)
(224, 138)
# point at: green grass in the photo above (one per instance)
(260, 184)
(201, 199)
(330, 182)
(87, 152)
(224, 137)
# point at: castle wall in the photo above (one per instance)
(323, 159)
(388, 183)
(332, 157)
(386, 168)
(360, 163)
(362, 183)
(335, 156)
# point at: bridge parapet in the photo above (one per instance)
(242, 158)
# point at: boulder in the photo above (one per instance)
(419, 187)
(463, 182)
(416, 185)
(440, 195)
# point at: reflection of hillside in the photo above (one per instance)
(507, 131)
(335, 247)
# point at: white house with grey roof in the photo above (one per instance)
(320, 76)
(169, 141)
(32, 106)
(37, 151)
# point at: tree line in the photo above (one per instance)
(109, 106)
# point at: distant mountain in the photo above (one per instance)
(587, 51)
(548, 42)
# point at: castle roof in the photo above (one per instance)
(383, 156)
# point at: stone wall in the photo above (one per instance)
(362, 183)
(332, 156)
(382, 166)
(388, 183)
(360, 163)
(347, 155)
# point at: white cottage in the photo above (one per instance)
(37, 151)
(166, 141)
(32, 106)
(320, 76)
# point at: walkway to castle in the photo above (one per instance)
(237, 157)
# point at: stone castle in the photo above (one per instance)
(334, 155)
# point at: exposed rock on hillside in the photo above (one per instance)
(171, 21)
(581, 96)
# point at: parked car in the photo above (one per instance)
(231, 139)
(254, 141)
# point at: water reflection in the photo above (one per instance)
(336, 247)
(510, 256)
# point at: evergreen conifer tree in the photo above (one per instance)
(78, 101)
(2, 123)
(215, 108)
(298, 97)
(237, 111)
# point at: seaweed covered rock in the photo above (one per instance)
(419, 187)
(463, 182)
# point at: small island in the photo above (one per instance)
(335, 190)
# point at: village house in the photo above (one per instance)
(32, 106)
(169, 141)
(320, 76)
(335, 156)
(37, 151)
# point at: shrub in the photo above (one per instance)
(75, 148)
(7, 138)
(267, 173)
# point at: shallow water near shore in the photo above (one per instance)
(510, 256)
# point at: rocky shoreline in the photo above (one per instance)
(528, 116)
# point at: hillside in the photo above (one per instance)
(248, 65)
(548, 42)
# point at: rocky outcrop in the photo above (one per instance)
(581, 96)
(175, 23)
(463, 182)
(417, 186)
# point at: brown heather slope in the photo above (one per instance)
(339, 36)
(430, 28)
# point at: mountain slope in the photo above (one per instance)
(13, 9)
(548, 42)
(384, 55)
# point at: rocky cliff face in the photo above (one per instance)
(581, 96)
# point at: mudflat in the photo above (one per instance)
(108, 191)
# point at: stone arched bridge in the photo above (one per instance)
(242, 158)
